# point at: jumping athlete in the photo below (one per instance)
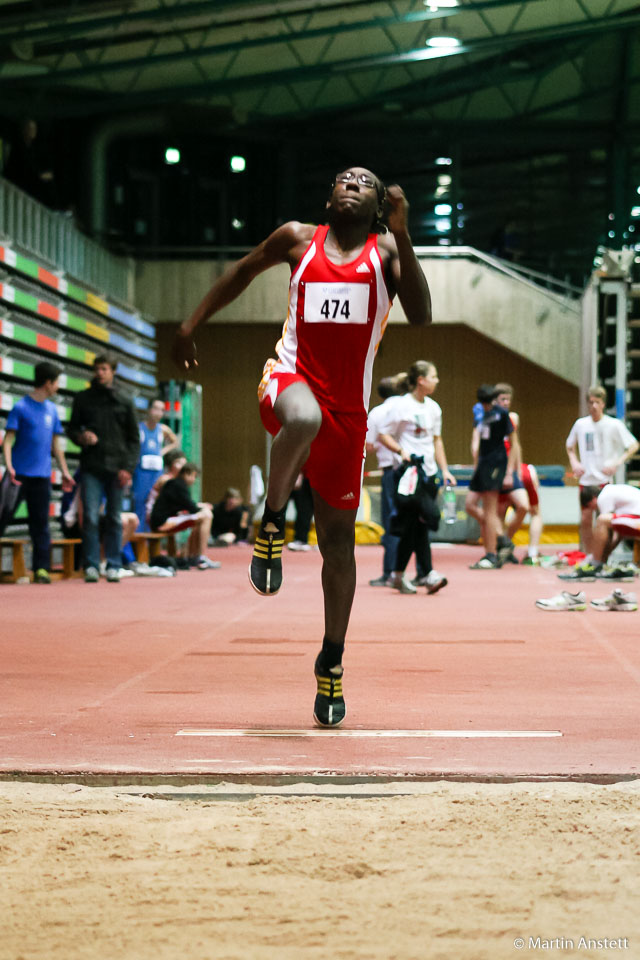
(314, 396)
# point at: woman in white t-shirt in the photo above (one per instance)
(414, 426)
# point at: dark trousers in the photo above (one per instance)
(387, 505)
(303, 499)
(36, 492)
(415, 537)
(94, 487)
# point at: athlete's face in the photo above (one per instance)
(51, 387)
(504, 400)
(596, 408)
(355, 194)
(156, 411)
(104, 374)
(430, 381)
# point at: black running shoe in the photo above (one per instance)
(505, 551)
(265, 572)
(329, 709)
(622, 574)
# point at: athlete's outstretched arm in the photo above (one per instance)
(408, 278)
(275, 249)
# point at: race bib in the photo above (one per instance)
(336, 302)
(151, 461)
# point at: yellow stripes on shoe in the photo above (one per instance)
(329, 686)
(266, 549)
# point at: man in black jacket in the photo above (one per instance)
(103, 423)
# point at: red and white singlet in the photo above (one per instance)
(337, 316)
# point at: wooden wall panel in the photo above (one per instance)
(232, 356)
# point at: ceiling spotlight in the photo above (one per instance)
(434, 5)
(443, 41)
(238, 164)
(445, 162)
(442, 209)
(172, 155)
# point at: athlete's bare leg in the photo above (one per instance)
(335, 530)
(473, 508)
(586, 528)
(520, 503)
(299, 413)
(300, 417)
(491, 521)
(535, 528)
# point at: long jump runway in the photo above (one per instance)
(198, 675)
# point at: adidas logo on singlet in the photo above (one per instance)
(348, 496)
(362, 268)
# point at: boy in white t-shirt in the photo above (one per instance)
(618, 519)
(597, 445)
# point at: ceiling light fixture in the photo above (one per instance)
(435, 5)
(443, 41)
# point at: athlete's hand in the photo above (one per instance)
(183, 351)
(124, 478)
(397, 209)
(68, 483)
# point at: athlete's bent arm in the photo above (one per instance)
(407, 275)
(275, 249)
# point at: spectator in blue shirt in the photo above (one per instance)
(33, 430)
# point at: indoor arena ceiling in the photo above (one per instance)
(538, 92)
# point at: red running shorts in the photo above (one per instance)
(336, 460)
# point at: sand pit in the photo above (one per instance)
(456, 871)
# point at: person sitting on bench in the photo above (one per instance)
(174, 510)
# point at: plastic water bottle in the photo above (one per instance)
(450, 506)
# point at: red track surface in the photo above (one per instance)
(108, 678)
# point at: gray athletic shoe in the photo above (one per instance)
(401, 584)
(433, 581)
(564, 601)
(621, 574)
(618, 600)
(91, 575)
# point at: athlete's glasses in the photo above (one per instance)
(362, 178)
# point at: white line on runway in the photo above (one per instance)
(373, 734)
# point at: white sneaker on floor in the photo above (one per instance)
(434, 581)
(124, 572)
(618, 600)
(564, 601)
(401, 584)
(299, 546)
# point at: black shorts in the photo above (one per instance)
(488, 475)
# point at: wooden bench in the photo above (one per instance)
(68, 548)
(636, 552)
(18, 567)
(146, 546)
